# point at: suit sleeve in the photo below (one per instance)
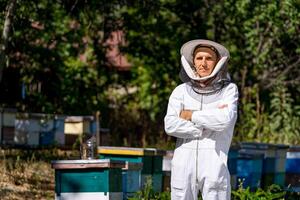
(174, 125)
(219, 119)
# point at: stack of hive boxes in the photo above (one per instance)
(37, 129)
(76, 127)
(7, 122)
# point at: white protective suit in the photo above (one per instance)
(200, 157)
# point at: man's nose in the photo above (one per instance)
(203, 62)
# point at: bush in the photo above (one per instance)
(149, 194)
(273, 192)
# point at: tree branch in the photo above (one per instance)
(261, 37)
(5, 34)
(271, 78)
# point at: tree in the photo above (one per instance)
(57, 52)
(6, 34)
(262, 37)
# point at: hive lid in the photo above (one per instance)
(257, 145)
(125, 151)
(84, 164)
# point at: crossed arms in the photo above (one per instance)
(189, 124)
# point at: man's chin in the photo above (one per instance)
(203, 74)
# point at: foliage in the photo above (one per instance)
(285, 116)
(55, 48)
(147, 193)
(259, 50)
(272, 192)
(57, 55)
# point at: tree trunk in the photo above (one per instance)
(5, 34)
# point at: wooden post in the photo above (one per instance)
(97, 118)
(1, 123)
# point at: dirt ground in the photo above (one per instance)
(27, 174)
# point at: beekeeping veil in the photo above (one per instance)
(208, 84)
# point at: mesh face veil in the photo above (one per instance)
(219, 76)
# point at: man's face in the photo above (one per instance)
(205, 61)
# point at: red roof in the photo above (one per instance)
(114, 57)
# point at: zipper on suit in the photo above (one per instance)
(197, 148)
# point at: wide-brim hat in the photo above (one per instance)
(187, 51)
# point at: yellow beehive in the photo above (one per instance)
(77, 125)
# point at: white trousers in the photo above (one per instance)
(203, 170)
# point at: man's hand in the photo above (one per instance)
(222, 106)
(186, 114)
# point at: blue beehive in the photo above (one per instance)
(273, 163)
(292, 179)
(150, 157)
(46, 138)
(131, 179)
(59, 130)
(249, 169)
(280, 164)
(232, 165)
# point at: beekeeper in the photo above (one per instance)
(202, 113)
